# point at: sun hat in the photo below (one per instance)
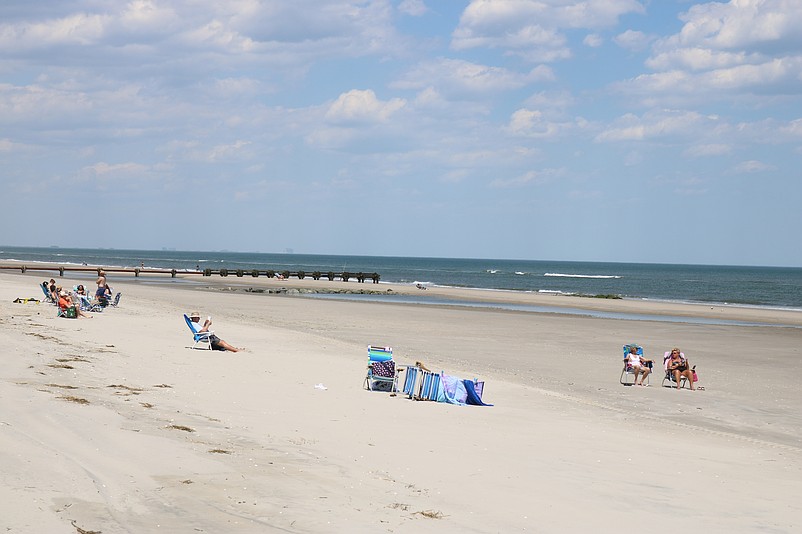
(194, 314)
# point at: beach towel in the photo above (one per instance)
(455, 390)
(384, 369)
(20, 300)
(473, 397)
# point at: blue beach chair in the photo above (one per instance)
(46, 291)
(382, 373)
(88, 305)
(627, 371)
(421, 384)
(199, 337)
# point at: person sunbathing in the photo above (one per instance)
(679, 367)
(216, 342)
(640, 365)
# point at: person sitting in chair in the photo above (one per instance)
(679, 367)
(216, 342)
(65, 302)
(640, 365)
(53, 290)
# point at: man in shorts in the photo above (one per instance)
(217, 343)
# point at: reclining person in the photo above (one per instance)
(640, 365)
(216, 342)
(679, 367)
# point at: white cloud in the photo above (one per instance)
(633, 40)
(105, 169)
(712, 149)
(593, 40)
(415, 8)
(227, 151)
(357, 106)
(147, 14)
(752, 166)
(740, 24)
(128, 175)
(457, 76)
(533, 28)
(75, 29)
(697, 59)
(540, 177)
(532, 123)
(656, 124)
(794, 127)
(735, 47)
(7, 145)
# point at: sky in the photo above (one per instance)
(658, 131)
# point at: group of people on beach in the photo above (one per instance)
(67, 299)
(674, 363)
(72, 300)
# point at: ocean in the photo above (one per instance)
(771, 287)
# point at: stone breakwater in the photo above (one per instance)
(304, 291)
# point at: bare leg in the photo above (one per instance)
(227, 347)
(677, 376)
(689, 375)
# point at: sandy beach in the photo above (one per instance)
(115, 424)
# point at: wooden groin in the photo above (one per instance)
(344, 276)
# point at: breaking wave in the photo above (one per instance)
(562, 275)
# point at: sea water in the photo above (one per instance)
(772, 287)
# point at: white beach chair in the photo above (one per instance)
(669, 376)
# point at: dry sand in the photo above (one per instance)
(114, 424)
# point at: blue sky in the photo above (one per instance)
(599, 130)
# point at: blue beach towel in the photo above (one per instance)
(473, 397)
(454, 390)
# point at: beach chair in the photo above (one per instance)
(199, 337)
(382, 373)
(669, 376)
(88, 305)
(421, 383)
(46, 291)
(116, 301)
(67, 313)
(627, 371)
(411, 381)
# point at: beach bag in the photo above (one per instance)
(695, 376)
(69, 313)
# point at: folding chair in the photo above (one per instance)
(199, 337)
(628, 371)
(46, 291)
(382, 373)
(421, 384)
(669, 377)
(88, 305)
